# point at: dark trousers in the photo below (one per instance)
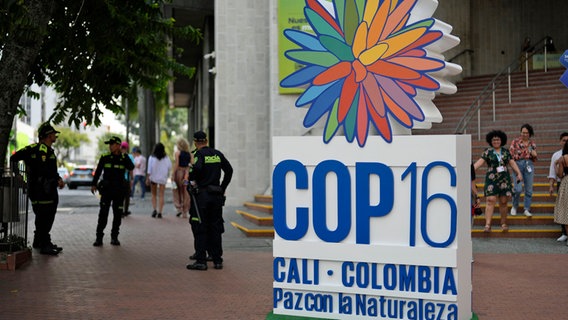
(114, 196)
(139, 180)
(44, 218)
(207, 232)
(127, 196)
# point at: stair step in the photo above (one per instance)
(535, 220)
(254, 232)
(536, 208)
(256, 219)
(259, 206)
(517, 232)
(265, 198)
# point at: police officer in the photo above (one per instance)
(113, 167)
(43, 181)
(208, 197)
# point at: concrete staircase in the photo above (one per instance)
(542, 104)
(256, 217)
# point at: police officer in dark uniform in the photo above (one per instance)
(43, 181)
(208, 197)
(113, 167)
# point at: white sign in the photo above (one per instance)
(380, 232)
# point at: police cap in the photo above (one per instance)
(199, 136)
(46, 129)
(113, 139)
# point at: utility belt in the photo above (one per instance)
(211, 189)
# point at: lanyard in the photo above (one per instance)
(499, 155)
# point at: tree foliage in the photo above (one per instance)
(68, 140)
(91, 52)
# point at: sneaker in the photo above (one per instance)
(513, 211)
(98, 243)
(527, 213)
(562, 238)
(115, 242)
(197, 266)
(218, 266)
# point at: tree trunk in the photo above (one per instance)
(16, 58)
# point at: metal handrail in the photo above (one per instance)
(464, 51)
(489, 90)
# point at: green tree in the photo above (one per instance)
(173, 125)
(67, 141)
(91, 52)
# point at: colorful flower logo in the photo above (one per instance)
(363, 66)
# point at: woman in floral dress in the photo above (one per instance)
(498, 184)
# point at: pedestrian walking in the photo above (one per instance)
(208, 198)
(523, 151)
(43, 181)
(183, 159)
(553, 178)
(497, 179)
(112, 188)
(139, 172)
(159, 166)
(561, 205)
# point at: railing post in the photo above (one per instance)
(493, 94)
(509, 82)
(479, 123)
(527, 69)
(545, 60)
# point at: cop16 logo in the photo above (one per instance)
(364, 211)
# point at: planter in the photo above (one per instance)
(14, 260)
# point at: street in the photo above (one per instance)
(78, 198)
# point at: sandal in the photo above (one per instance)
(487, 228)
(504, 227)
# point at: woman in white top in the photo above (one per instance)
(159, 166)
(183, 159)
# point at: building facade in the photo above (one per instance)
(244, 109)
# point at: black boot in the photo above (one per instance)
(115, 242)
(99, 241)
(49, 250)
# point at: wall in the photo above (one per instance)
(500, 27)
(249, 110)
(242, 94)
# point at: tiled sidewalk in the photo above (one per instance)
(146, 278)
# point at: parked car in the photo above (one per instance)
(81, 176)
(64, 174)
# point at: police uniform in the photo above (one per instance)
(112, 190)
(41, 165)
(206, 212)
(42, 181)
